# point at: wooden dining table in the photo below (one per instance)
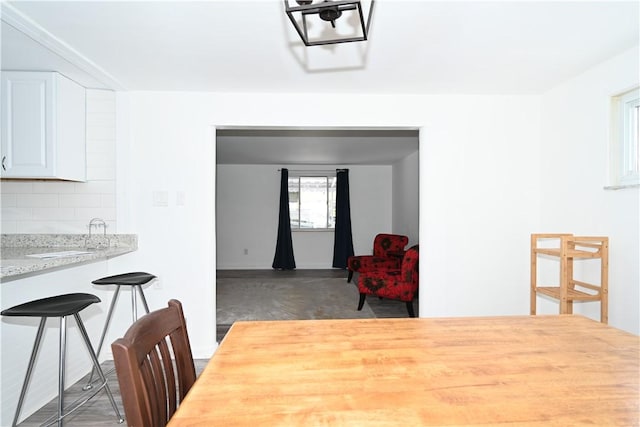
(559, 370)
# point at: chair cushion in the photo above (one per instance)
(387, 284)
(362, 263)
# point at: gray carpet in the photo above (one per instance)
(287, 298)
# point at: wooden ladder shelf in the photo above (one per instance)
(567, 248)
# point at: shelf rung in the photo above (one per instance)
(572, 253)
(572, 294)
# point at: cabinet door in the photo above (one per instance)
(27, 125)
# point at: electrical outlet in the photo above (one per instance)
(246, 251)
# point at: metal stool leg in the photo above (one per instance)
(96, 365)
(32, 360)
(61, 358)
(144, 300)
(134, 304)
(134, 301)
(61, 375)
(104, 333)
(134, 314)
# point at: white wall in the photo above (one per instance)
(479, 201)
(406, 197)
(479, 191)
(370, 192)
(67, 207)
(247, 202)
(574, 170)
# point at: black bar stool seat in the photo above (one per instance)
(135, 280)
(57, 306)
(127, 279)
(60, 306)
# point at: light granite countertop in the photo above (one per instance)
(24, 254)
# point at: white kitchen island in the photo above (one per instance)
(38, 266)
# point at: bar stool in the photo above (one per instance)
(135, 280)
(60, 306)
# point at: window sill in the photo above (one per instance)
(621, 187)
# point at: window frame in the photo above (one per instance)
(329, 175)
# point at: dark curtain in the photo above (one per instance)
(343, 240)
(283, 259)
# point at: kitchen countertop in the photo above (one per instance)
(16, 262)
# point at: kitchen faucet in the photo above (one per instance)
(97, 223)
(97, 242)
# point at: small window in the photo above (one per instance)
(312, 202)
(625, 146)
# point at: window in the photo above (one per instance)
(625, 146)
(312, 202)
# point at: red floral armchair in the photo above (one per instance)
(388, 250)
(398, 284)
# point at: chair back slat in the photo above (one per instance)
(152, 383)
(150, 374)
(169, 383)
(161, 391)
(183, 361)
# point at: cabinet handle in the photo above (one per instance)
(3, 159)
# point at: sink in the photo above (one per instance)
(61, 254)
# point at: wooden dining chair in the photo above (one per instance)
(152, 384)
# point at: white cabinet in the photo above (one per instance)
(43, 126)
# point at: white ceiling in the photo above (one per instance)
(315, 146)
(469, 47)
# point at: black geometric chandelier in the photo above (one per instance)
(321, 22)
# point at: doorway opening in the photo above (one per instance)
(384, 165)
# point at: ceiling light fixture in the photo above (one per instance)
(321, 22)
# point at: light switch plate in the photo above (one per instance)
(180, 196)
(160, 198)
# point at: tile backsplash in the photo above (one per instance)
(67, 207)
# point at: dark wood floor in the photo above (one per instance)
(98, 412)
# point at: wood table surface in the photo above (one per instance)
(510, 371)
